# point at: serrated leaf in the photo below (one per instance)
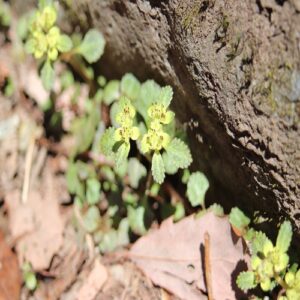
(93, 191)
(111, 91)
(136, 219)
(121, 156)
(107, 141)
(166, 95)
(91, 219)
(92, 46)
(246, 281)
(177, 156)
(196, 188)
(238, 219)
(130, 86)
(136, 171)
(158, 168)
(284, 236)
(64, 43)
(47, 75)
(258, 241)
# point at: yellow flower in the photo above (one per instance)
(154, 140)
(159, 112)
(124, 134)
(126, 113)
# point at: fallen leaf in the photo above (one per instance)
(172, 257)
(10, 277)
(38, 222)
(94, 282)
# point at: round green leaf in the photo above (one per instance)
(92, 46)
(47, 75)
(64, 43)
(196, 188)
(93, 191)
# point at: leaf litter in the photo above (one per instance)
(173, 256)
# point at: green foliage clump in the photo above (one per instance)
(45, 41)
(146, 119)
(269, 262)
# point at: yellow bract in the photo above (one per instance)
(154, 140)
(125, 118)
(45, 36)
(159, 113)
(124, 134)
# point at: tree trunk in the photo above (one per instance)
(235, 69)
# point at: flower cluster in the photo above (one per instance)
(156, 139)
(125, 118)
(45, 39)
(270, 262)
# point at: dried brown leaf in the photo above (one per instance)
(94, 282)
(172, 256)
(10, 277)
(38, 222)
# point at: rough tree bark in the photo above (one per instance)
(235, 68)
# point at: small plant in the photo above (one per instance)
(47, 43)
(146, 119)
(29, 277)
(269, 262)
(5, 14)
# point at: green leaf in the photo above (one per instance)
(136, 219)
(64, 43)
(158, 168)
(166, 95)
(217, 209)
(179, 211)
(115, 238)
(121, 156)
(246, 281)
(136, 171)
(30, 46)
(86, 130)
(92, 46)
(111, 91)
(196, 188)
(47, 75)
(284, 236)
(91, 219)
(177, 155)
(75, 186)
(107, 141)
(238, 219)
(30, 281)
(93, 191)
(130, 86)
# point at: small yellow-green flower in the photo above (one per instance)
(45, 38)
(124, 134)
(43, 20)
(159, 113)
(154, 140)
(126, 113)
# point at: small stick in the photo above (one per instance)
(28, 165)
(208, 266)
